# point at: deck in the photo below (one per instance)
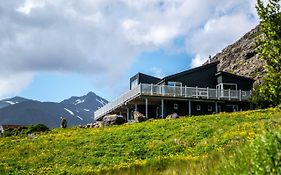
(173, 92)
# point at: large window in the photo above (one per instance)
(227, 86)
(134, 83)
(171, 83)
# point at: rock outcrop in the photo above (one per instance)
(138, 117)
(113, 119)
(172, 116)
(241, 58)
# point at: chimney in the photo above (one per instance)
(210, 57)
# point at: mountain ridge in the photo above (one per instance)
(23, 111)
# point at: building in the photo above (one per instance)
(198, 91)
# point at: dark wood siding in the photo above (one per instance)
(142, 78)
(201, 78)
(242, 83)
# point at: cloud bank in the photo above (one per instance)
(103, 37)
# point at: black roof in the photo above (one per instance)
(148, 76)
(189, 71)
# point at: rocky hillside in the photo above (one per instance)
(241, 58)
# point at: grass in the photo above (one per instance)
(189, 145)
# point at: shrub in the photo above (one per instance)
(37, 128)
(23, 130)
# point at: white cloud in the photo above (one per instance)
(217, 33)
(13, 84)
(103, 37)
(157, 72)
(28, 5)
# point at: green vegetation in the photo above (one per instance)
(269, 92)
(24, 130)
(195, 145)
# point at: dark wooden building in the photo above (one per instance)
(198, 91)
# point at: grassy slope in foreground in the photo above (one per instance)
(82, 151)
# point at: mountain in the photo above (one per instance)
(241, 58)
(89, 103)
(76, 110)
(11, 101)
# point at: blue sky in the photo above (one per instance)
(57, 86)
(53, 49)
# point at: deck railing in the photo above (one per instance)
(173, 91)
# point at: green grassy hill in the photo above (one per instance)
(190, 145)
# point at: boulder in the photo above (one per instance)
(98, 124)
(138, 117)
(113, 119)
(173, 116)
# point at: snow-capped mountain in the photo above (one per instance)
(88, 103)
(11, 101)
(77, 110)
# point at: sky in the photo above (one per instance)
(53, 49)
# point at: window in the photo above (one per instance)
(134, 83)
(226, 86)
(171, 83)
(198, 107)
(176, 106)
(210, 108)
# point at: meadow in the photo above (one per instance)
(227, 143)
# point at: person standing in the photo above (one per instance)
(63, 123)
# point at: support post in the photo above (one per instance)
(146, 108)
(162, 108)
(196, 92)
(151, 89)
(216, 104)
(128, 114)
(229, 98)
(189, 108)
(207, 92)
(136, 107)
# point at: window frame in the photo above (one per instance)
(176, 106)
(210, 108)
(198, 107)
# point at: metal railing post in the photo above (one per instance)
(216, 93)
(181, 90)
(229, 98)
(185, 91)
(240, 95)
(140, 88)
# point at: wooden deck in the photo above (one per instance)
(173, 92)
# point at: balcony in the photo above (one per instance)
(173, 92)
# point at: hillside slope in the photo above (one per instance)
(86, 151)
(241, 58)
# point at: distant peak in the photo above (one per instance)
(91, 93)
